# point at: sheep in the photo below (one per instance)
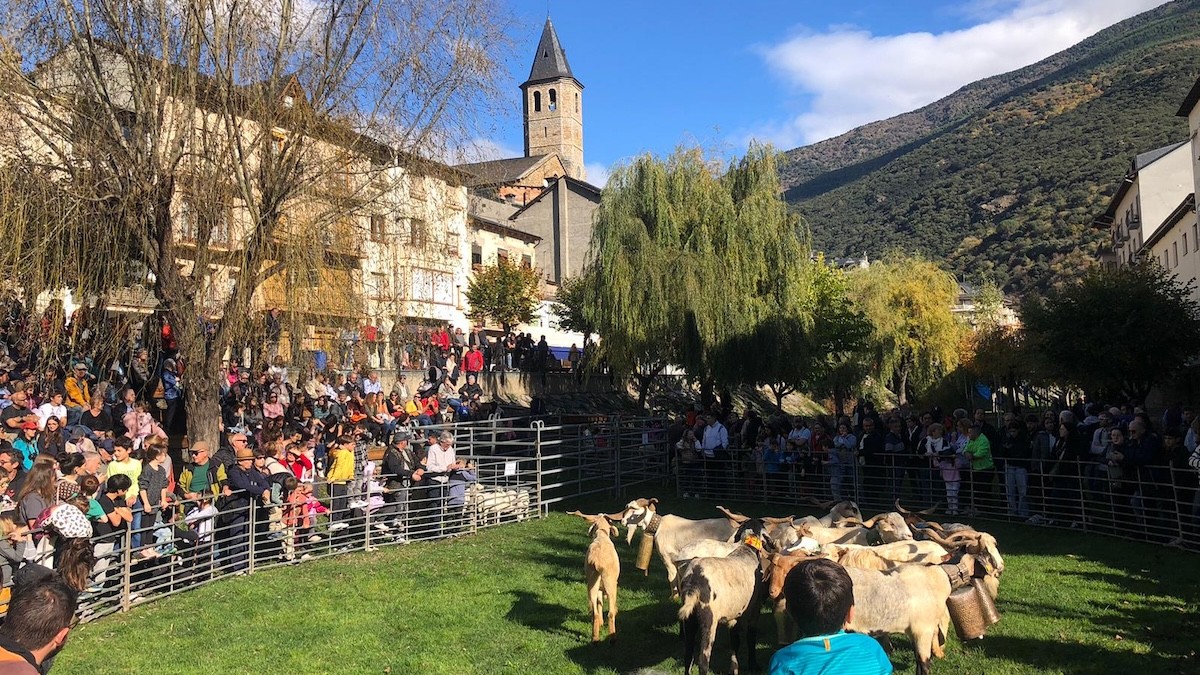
(484, 504)
(718, 590)
(601, 569)
(671, 533)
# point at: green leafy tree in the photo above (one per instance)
(1116, 332)
(568, 306)
(506, 293)
(689, 261)
(914, 336)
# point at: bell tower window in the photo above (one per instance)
(553, 100)
(537, 101)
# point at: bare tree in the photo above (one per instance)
(226, 155)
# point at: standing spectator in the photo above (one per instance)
(403, 474)
(140, 375)
(1015, 452)
(941, 451)
(870, 455)
(894, 447)
(473, 361)
(123, 464)
(979, 452)
(248, 485)
(339, 476)
(172, 393)
(842, 459)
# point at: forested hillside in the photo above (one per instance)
(1009, 189)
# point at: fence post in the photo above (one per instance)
(537, 448)
(617, 456)
(366, 497)
(252, 511)
(126, 567)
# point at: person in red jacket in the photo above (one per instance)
(473, 360)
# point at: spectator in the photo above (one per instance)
(820, 599)
(140, 425)
(39, 620)
(79, 393)
(12, 477)
(51, 441)
(978, 451)
(942, 451)
(27, 444)
(172, 393)
(1015, 452)
(248, 486)
(843, 458)
(52, 408)
(18, 413)
(123, 464)
(341, 473)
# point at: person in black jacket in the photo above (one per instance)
(404, 478)
(249, 484)
(1015, 452)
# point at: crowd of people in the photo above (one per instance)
(92, 471)
(1108, 468)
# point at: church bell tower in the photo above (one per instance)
(552, 100)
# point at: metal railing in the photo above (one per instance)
(516, 473)
(1159, 503)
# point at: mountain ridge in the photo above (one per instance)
(936, 186)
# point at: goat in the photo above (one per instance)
(781, 564)
(983, 547)
(883, 528)
(895, 552)
(484, 504)
(723, 590)
(908, 599)
(781, 531)
(601, 568)
(671, 533)
(838, 512)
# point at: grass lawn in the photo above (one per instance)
(512, 600)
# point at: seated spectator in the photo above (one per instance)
(140, 425)
(52, 408)
(52, 442)
(820, 599)
(12, 477)
(36, 627)
(27, 444)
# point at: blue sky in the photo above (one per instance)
(718, 73)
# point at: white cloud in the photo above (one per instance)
(849, 77)
(481, 150)
(597, 173)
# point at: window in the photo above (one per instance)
(306, 277)
(1185, 248)
(553, 100)
(1166, 260)
(537, 101)
(577, 103)
(432, 286)
(378, 227)
(1195, 238)
(379, 285)
(501, 254)
(526, 261)
(1175, 250)
(476, 255)
(418, 232)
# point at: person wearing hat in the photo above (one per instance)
(404, 475)
(79, 393)
(247, 485)
(27, 443)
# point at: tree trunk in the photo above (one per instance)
(644, 383)
(839, 401)
(203, 410)
(902, 386)
(707, 386)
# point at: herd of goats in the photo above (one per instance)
(911, 575)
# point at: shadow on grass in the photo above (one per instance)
(1075, 658)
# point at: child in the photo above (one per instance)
(297, 518)
(820, 599)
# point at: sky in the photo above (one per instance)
(719, 73)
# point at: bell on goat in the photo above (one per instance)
(645, 550)
(972, 610)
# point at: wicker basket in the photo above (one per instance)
(972, 610)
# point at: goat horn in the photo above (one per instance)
(901, 509)
(940, 540)
(620, 515)
(576, 513)
(931, 510)
(736, 517)
(777, 521)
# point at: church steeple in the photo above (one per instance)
(550, 61)
(553, 105)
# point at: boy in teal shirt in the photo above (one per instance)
(820, 599)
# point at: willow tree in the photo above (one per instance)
(690, 260)
(206, 152)
(914, 335)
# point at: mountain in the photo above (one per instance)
(1002, 178)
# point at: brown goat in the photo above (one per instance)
(601, 569)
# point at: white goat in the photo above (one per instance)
(601, 569)
(671, 533)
